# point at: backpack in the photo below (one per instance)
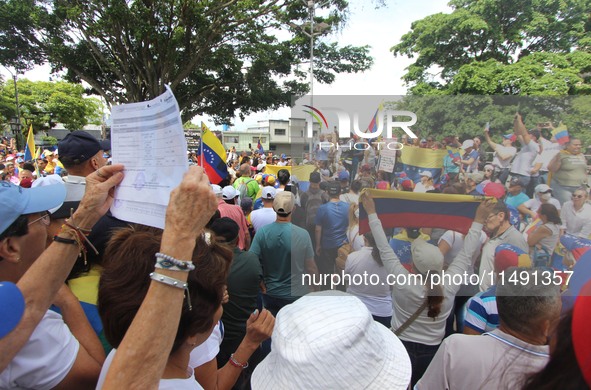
(342, 254)
(243, 188)
(312, 205)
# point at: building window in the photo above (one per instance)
(256, 139)
(230, 140)
(280, 131)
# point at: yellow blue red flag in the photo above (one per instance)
(415, 160)
(422, 210)
(212, 156)
(30, 146)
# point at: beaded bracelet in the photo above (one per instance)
(172, 282)
(170, 263)
(236, 363)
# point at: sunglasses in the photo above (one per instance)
(578, 196)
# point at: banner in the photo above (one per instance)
(417, 210)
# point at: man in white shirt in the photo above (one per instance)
(499, 227)
(523, 161)
(265, 215)
(504, 357)
(503, 154)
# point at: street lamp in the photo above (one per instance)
(315, 30)
(15, 126)
(17, 121)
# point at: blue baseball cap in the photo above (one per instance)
(18, 201)
(79, 145)
(12, 307)
(343, 175)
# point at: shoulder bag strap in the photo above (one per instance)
(411, 319)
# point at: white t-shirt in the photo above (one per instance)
(207, 351)
(349, 198)
(506, 150)
(46, 358)
(189, 383)
(455, 241)
(549, 150)
(420, 187)
(522, 163)
(576, 222)
(354, 238)
(262, 217)
(534, 203)
(375, 296)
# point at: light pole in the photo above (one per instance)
(15, 124)
(315, 30)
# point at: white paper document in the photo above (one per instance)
(148, 138)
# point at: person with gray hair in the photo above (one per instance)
(528, 308)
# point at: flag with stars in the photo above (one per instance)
(416, 210)
(212, 156)
(415, 160)
(400, 244)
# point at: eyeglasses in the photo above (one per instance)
(44, 220)
(491, 215)
(578, 196)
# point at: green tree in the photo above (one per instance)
(218, 57)
(521, 45)
(43, 104)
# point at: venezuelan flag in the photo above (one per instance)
(560, 133)
(302, 172)
(401, 243)
(415, 160)
(30, 146)
(411, 209)
(373, 125)
(260, 147)
(212, 156)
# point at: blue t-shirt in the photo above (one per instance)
(334, 219)
(516, 200)
(282, 249)
(467, 156)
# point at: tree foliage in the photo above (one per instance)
(498, 57)
(219, 57)
(43, 104)
(527, 47)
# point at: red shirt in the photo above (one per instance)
(235, 213)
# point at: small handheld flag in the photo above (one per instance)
(560, 133)
(212, 156)
(30, 146)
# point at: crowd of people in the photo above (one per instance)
(236, 291)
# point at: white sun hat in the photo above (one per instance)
(329, 340)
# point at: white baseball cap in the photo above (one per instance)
(467, 144)
(329, 340)
(426, 173)
(217, 190)
(268, 192)
(229, 193)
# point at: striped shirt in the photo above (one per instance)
(482, 314)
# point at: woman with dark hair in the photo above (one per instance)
(421, 302)
(375, 294)
(124, 284)
(545, 237)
